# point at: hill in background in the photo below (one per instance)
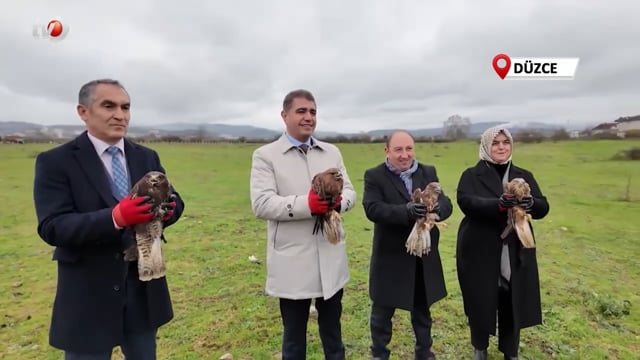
(226, 131)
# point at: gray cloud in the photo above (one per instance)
(370, 64)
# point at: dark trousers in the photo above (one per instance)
(139, 341)
(381, 326)
(508, 334)
(141, 346)
(295, 315)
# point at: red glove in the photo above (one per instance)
(132, 211)
(169, 207)
(317, 204)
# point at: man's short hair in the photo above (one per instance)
(300, 93)
(88, 91)
(397, 132)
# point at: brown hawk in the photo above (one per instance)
(419, 241)
(517, 218)
(328, 185)
(148, 236)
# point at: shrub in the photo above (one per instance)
(560, 134)
(606, 136)
(632, 134)
(631, 154)
(529, 137)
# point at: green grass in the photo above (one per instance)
(588, 248)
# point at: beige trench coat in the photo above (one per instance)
(300, 265)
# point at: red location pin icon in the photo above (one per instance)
(501, 71)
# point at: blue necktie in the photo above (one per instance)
(119, 175)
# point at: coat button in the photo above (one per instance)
(290, 215)
(116, 287)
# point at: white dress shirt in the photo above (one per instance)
(101, 150)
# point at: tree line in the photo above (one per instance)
(455, 128)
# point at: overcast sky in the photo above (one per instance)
(370, 64)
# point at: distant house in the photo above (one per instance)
(605, 128)
(13, 139)
(627, 123)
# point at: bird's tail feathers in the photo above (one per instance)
(523, 230)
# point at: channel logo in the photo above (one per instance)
(54, 30)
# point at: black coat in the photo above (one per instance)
(392, 269)
(73, 203)
(479, 248)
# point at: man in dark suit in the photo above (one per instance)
(80, 194)
(396, 278)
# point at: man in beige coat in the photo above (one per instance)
(301, 266)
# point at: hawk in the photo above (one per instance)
(517, 217)
(419, 241)
(148, 236)
(328, 185)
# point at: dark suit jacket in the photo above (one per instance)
(392, 271)
(73, 203)
(479, 247)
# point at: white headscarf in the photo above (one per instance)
(487, 139)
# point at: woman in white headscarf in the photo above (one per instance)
(496, 275)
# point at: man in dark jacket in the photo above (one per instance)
(83, 210)
(398, 279)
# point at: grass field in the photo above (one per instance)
(588, 248)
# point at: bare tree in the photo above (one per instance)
(201, 133)
(457, 127)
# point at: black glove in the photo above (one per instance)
(416, 211)
(436, 209)
(526, 203)
(507, 201)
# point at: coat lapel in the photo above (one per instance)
(489, 178)
(136, 166)
(397, 182)
(92, 166)
(515, 172)
(418, 179)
